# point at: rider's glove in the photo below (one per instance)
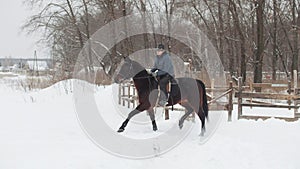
(154, 73)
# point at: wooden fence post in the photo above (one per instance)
(230, 102)
(119, 95)
(128, 91)
(295, 91)
(123, 94)
(212, 88)
(289, 89)
(167, 117)
(134, 97)
(251, 90)
(240, 89)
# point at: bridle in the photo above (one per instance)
(130, 72)
(124, 77)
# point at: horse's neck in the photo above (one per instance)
(142, 79)
(141, 75)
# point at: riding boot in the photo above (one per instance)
(163, 100)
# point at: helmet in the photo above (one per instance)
(161, 46)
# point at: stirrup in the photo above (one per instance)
(162, 103)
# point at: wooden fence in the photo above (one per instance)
(246, 96)
(127, 94)
(213, 100)
(128, 97)
(260, 99)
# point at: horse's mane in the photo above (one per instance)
(139, 68)
(145, 79)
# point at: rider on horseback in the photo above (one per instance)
(163, 70)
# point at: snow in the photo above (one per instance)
(40, 130)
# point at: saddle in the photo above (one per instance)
(172, 83)
(172, 86)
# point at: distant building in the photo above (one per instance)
(9, 64)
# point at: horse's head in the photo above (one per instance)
(128, 70)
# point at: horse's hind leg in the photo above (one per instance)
(152, 117)
(189, 110)
(201, 115)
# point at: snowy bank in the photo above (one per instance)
(45, 133)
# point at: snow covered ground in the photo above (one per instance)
(40, 130)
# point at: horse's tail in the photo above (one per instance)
(204, 97)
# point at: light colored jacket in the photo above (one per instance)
(165, 64)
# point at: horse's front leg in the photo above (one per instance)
(134, 112)
(141, 107)
(152, 117)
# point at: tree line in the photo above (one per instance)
(249, 35)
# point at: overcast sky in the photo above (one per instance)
(13, 41)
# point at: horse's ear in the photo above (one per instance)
(127, 59)
(120, 54)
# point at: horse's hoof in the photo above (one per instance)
(120, 130)
(180, 126)
(202, 132)
(154, 125)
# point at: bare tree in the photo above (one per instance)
(240, 30)
(221, 31)
(260, 41)
(62, 27)
(233, 10)
(295, 50)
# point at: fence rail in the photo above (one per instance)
(246, 97)
(292, 98)
(127, 94)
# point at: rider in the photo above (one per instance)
(163, 70)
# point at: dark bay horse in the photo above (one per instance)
(189, 93)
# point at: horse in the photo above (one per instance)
(182, 92)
